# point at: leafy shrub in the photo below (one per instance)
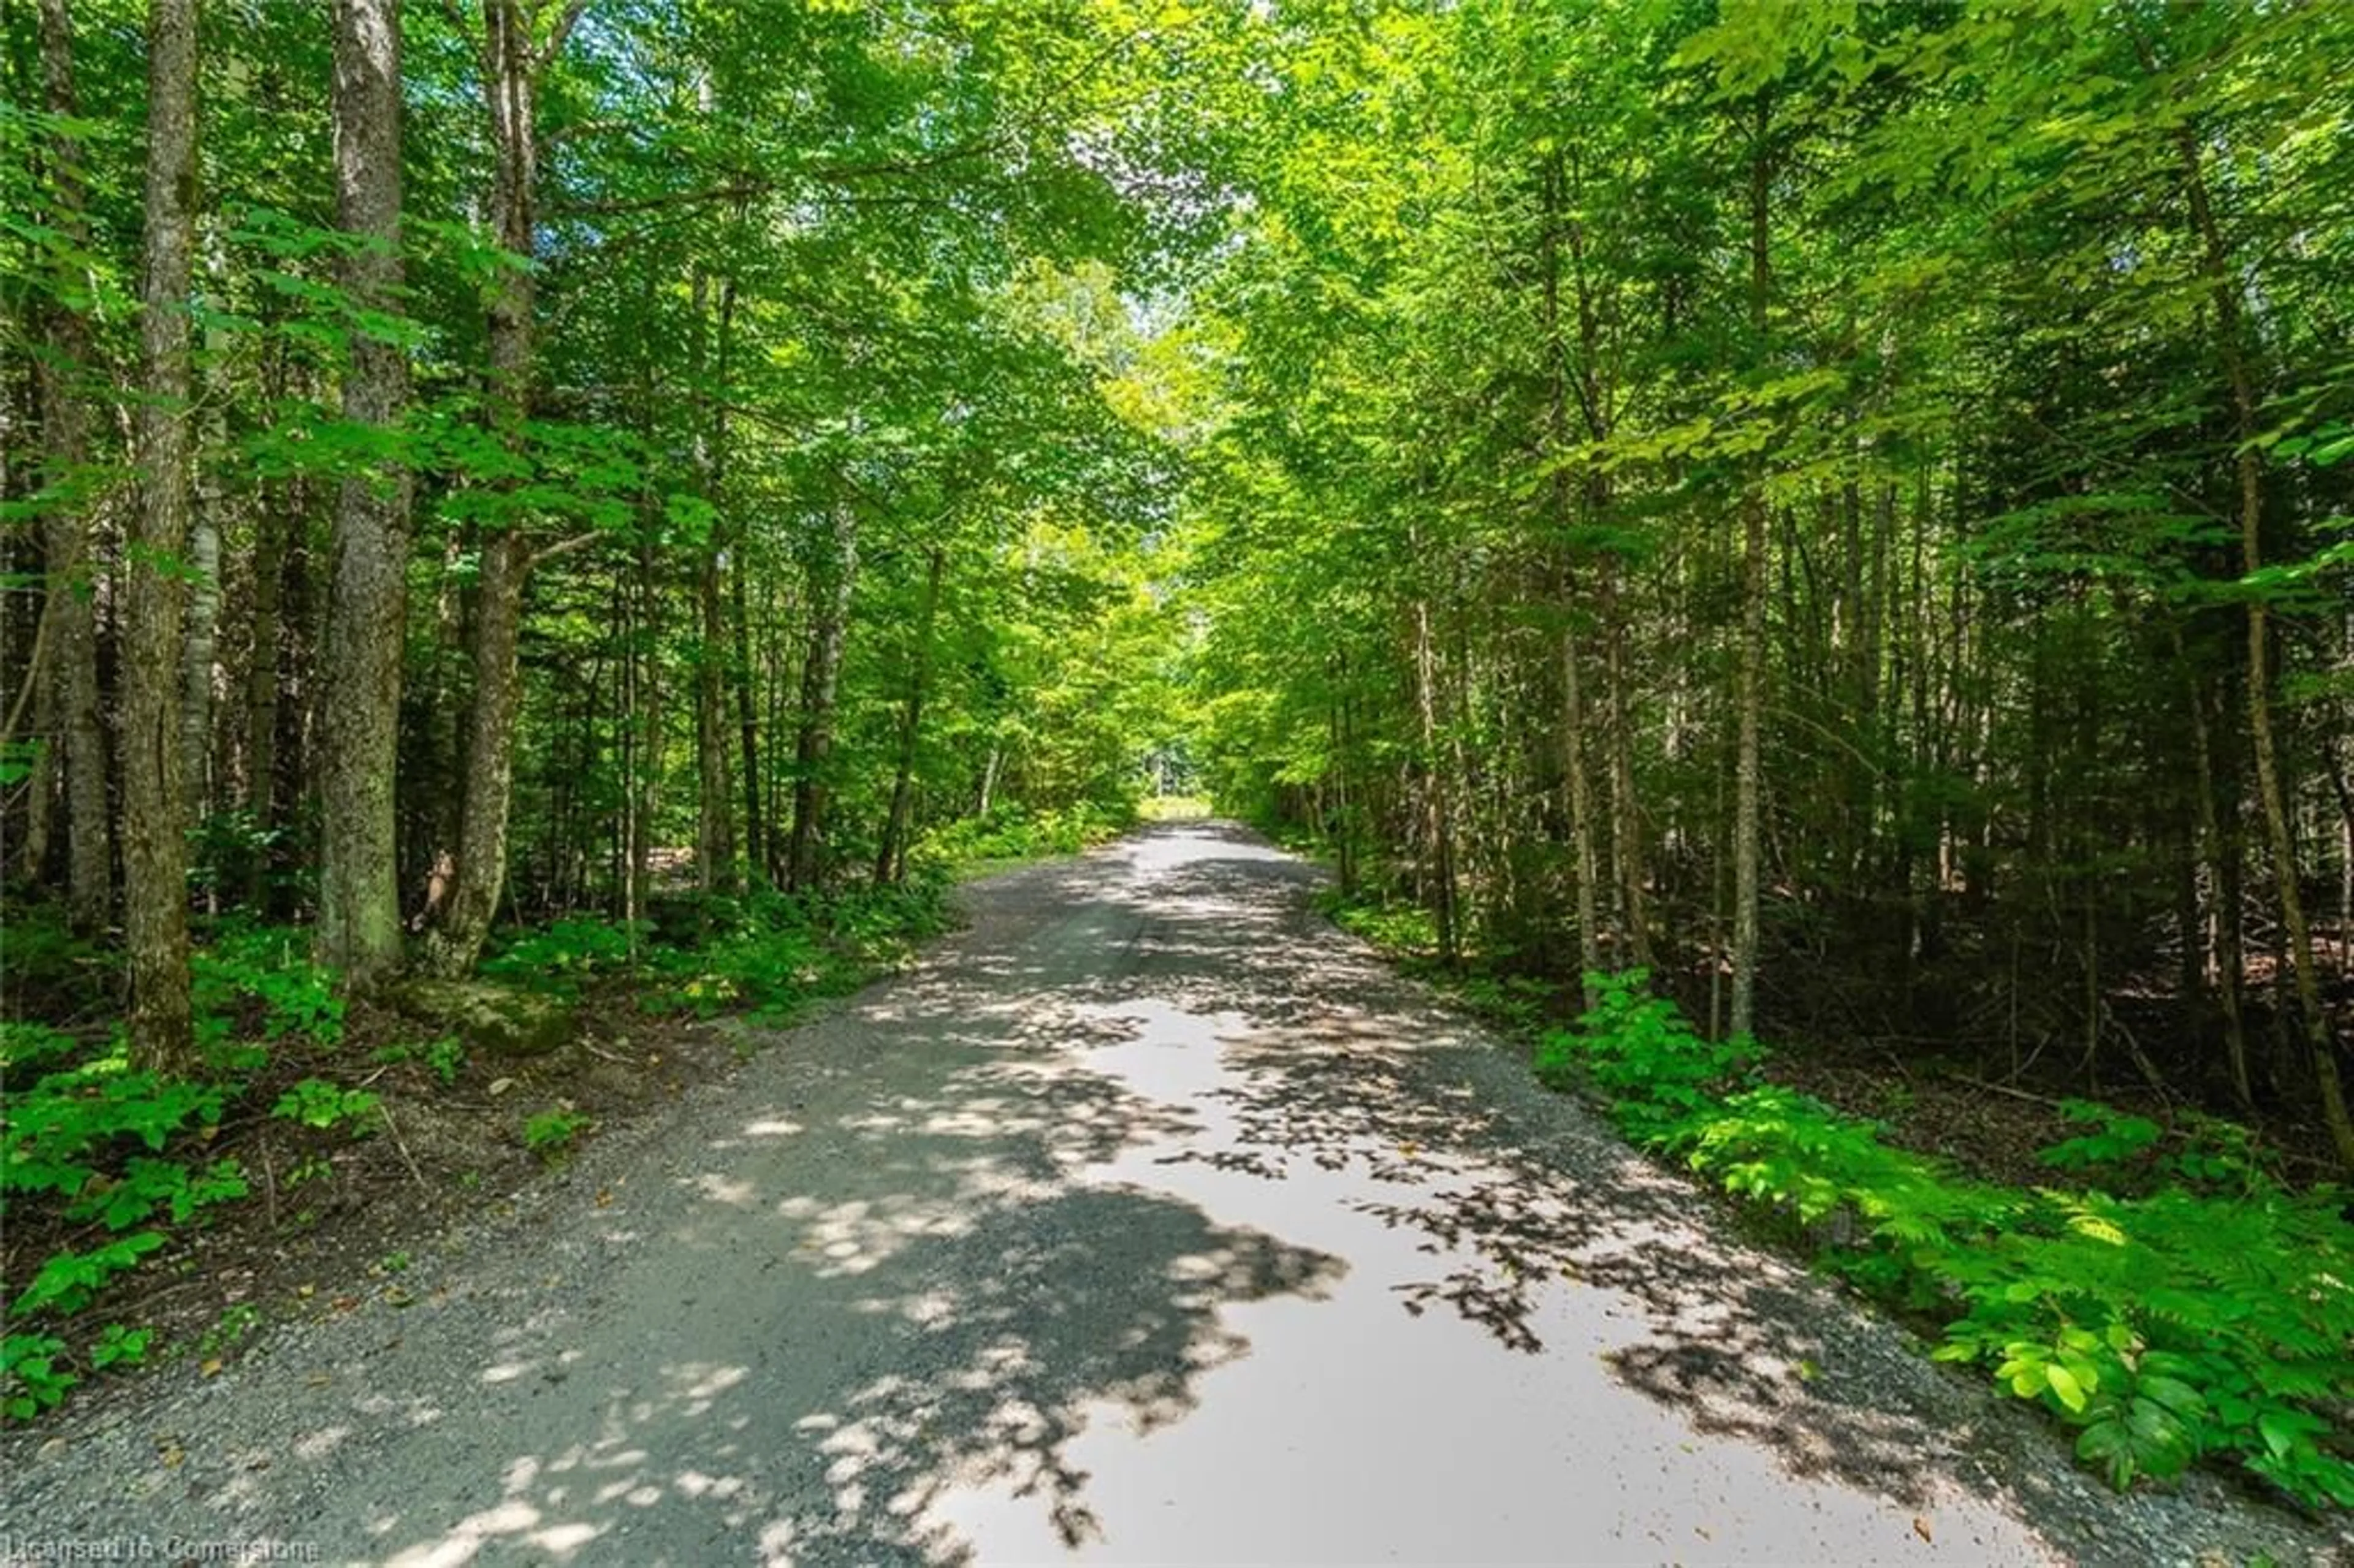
(1639, 1051)
(2220, 1156)
(66, 1128)
(2162, 1327)
(39, 951)
(2134, 1153)
(71, 1280)
(764, 968)
(119, 1346)
(1517, 1000)
(2116, 1139)
(24, 1045)
(67, 1142)
(1013, 831)
(31, 1379)
(2246, 1303)
(227, 844)
(551, 1133)
(235, 1322)
(559, 958)
(147, 1186)
(445, 1057)
(784, 951)
(1395, 927)
(874, 920)
(260, 978)
(316, 1103)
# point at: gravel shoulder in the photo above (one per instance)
(1151, 1219)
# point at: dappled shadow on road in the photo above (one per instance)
(1134, 1324)
(1343, 1069)
(999, 1337)
(1173, 1195)
(946, 1305)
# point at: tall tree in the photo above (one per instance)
(358, 930)
(715, 841)
(1750, 701)
(514, 58)
(68, 388)
(832, 576)
(891, 848)
(155, 824)
(2232, 352)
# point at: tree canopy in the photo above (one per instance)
(1841, 505)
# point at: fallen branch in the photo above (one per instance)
(406, 1158)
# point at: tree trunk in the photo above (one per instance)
(643, 661)
(747, 717)
(1597, 398)
(1628, 870)
(301, 629)
(1746, 780)
(2272, 793)
(1581, 858)
(455, 944)
(440, 766)
(830, 590)
(261, 676)
(715, 847)
(29, 858)
(65, 384)
(358, 930)
(890, 856)
(511, 66)
(2230, 964)
(154, 826)
(1438, 823)
(1581, 817)
(715, 838)
(200, 647)
(1344, 803)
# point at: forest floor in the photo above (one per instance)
(337, 1219)
(1152, 1218)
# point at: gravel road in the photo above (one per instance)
(1150, 1220)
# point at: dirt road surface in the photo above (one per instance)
(1150, 1220)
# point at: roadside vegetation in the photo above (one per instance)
(2158, 1287)
(123, 1190)
(2164, 1294)
(1843, 512)
(1011, 836)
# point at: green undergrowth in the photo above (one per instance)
(2169, 1299)
(767, 955)
(1013, 832)
(1175, 808)
(108, 1167)
(115, 1162)
(1402, 929)
(2174, 1302)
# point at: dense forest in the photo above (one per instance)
(1842, 508)
(465, 467)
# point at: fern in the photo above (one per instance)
(2163, 1328)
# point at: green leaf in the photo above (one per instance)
(2283, 1430)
